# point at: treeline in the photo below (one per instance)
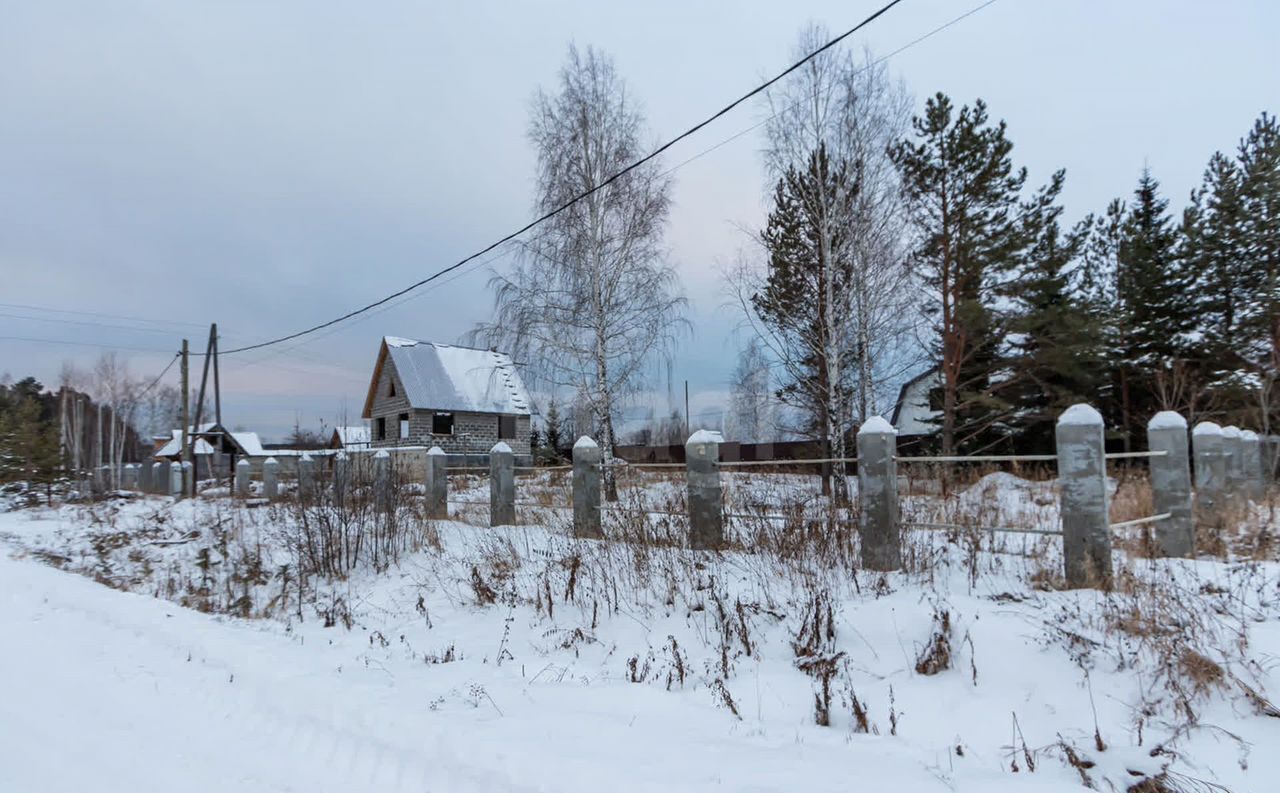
(1134, 309)
(899, 243)
(30, 448)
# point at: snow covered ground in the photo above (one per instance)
(520, 659)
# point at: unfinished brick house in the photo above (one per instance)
(461, 399)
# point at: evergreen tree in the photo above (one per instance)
(964, 191)
(553, 430)
(1260, 243)
(1156, 314)
(1054, 345)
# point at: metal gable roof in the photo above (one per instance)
(448, 378)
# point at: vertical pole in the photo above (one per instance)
(129, 477)
(270, 479)
(185, 453)
(306, 477)
(1085, 507)
(160, 478)
(702, 470)
(1171, 484)
(586, 489)
(1211, 473)
(341, 477)
(217, 387)
(878, 495)
(382, 480)
(1233, 452)
(687, 425)
(175, 480)
(1251, 462)
(144, 477)
(244, 472)
(502, 486)
(437, 484)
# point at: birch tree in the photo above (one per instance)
(751, 414)
(591, 303)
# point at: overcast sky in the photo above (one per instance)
(272, 165)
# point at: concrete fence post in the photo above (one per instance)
(160, 477)
(270, 479)
(502, 485)
(306, 477)
(145, 471)
(1233, 451)
(129, 477)
(1251, 461)
(1082, 476)
(188, 477)
(102, 478)
(586, 488)
(176, 481)
(1171, 484)
(1273, 458)
(341, 477)
(702, 471)
(878, 495)
(437, 484)
(243, 474)
(1211, 471)
(382, 480)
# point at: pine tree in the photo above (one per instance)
(1260, 232)
(1054, 344)
(964, 191)
(1156, 308)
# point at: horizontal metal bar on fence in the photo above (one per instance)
(781, 463)
(1124, 524)
(960, 527)
(611, 508)
(626, 465)
(544, 468)
(468, 503)
(982, 458)
(1133, 455)
(473, 469)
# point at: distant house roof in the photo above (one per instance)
(911, 413)
(246, 443)
(349, 437)
(445, 377)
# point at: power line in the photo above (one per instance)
(163, 372)
(27, 307)
(89, 323)
(80, 344)
(585, 194)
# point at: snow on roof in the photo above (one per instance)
(448, 378)
(1207, 428)
(1166, 419)
(876, 425)
(248, 441)
(1079, 414)
(352, 436)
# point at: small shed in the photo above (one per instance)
(462, 399)
(349, 438)
(919, 405)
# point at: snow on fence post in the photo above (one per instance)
(1254, 486)
(129, 477)
(1171, 484)
(1082, 474)
(306, 477)
(160, 477)
(176, 480)
(437, 484)
(878, 495)
(1233, 452)
(243, 473)
(270, 479)
(382, 480)
(586, 488)
(502, 485)
(702, 472)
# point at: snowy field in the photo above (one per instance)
(158, 646)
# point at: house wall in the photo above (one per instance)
(473, 433)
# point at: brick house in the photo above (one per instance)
(461, 399)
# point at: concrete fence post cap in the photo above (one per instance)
(306, 457)
(270, 461)
(500, 447)
(877, 425)
(585, 442)
(243, 463)
(1167, 419)
(382, 455)
(1080, 414)
(1231, 431)
(1207, 428)
(435, 451)
(1248, 435)
(704, 436)
(175, 465)
(341, 455)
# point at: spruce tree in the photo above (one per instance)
(964, 191)
(1260, 232)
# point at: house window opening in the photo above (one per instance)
(506, 428)
(442, 424)
(380, 428)
(404, 426)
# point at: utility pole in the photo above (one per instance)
(186, 406)
(687, 430)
